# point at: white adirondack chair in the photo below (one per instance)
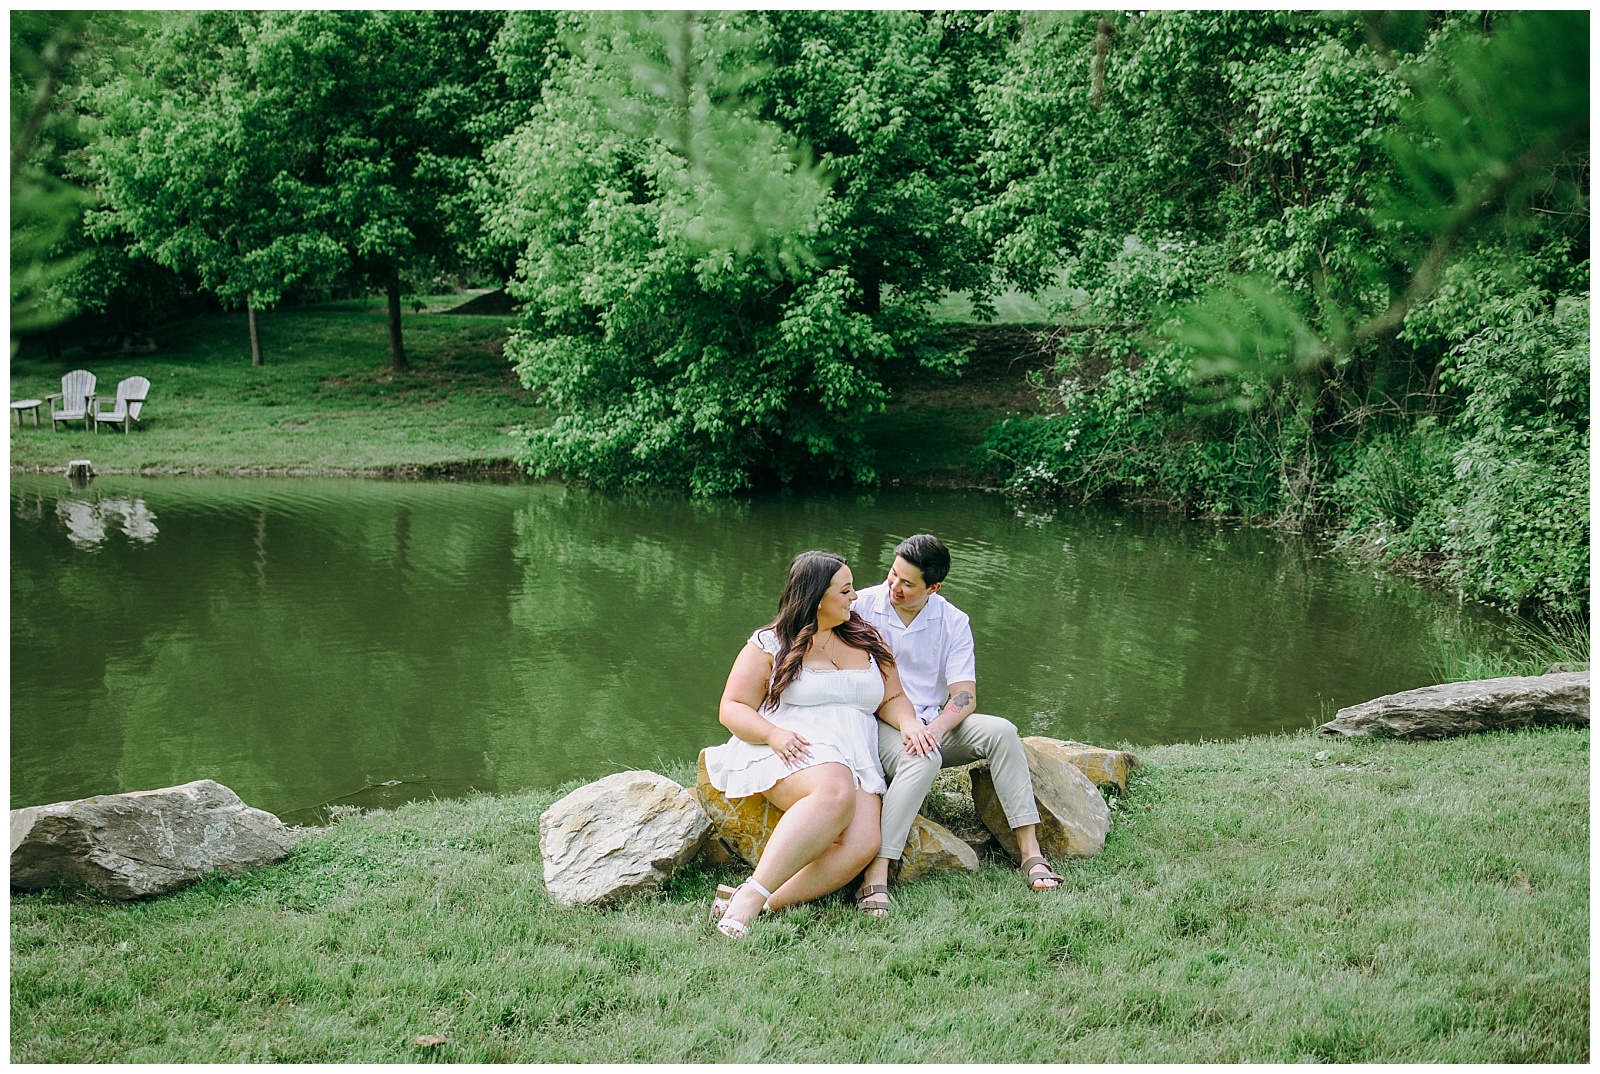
(131, 394)
(75, 397)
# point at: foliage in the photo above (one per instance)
(1312, 217)
(272, 154)
(634, 189)
(43, 204)
(1518, 530)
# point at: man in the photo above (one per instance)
(932, 644)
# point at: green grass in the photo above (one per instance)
(325, 402)
(1275, 899)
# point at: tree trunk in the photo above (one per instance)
(871, 292)
(397, 347)
(255, 335)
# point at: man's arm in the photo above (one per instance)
(963, 703)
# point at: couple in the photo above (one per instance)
(827, 699)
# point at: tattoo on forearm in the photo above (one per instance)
(961, 701)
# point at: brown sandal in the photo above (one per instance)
(868, 892)
(1033, 879)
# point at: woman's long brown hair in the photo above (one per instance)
(809, 577)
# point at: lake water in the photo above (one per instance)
(309, 641)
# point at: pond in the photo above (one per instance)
(334, 641)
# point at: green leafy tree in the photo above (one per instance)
(405, 103)
(279, 151)
(1290, 229)
(717, 279)
(201, 161)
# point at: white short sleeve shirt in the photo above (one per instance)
(934, 650)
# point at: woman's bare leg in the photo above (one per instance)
(818, 805)
(845, 857)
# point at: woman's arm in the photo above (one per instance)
(740, 711)
(898, 712)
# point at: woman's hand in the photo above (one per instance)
(918, 739)
(789, 745)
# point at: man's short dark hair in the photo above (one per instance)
(928, 554)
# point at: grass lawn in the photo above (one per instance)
(326, 401)
(1276, 899)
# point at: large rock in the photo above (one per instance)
(618, 836)
(1103, 767)
(1460, 708)
(126, 846)
(745, 824)
(1073, 818)
(933, 850)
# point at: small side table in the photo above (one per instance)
(19, 405)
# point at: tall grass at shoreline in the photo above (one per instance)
(1531, 647)
(1279, 898)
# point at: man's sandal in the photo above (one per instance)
(736, 929)
(1032, 878)
(868, 892)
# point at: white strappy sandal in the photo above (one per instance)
(735, 929)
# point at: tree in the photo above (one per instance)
(1290, 230)
(409, 99)
(201, 162)
(668, 167)
(44, 204)
(272, 151)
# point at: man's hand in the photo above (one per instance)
(919, 740)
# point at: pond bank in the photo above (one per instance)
(1274, 899)
(327, 402)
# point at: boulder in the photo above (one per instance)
(1103, 767)
(933, 850)
(745, 825)
(126, 846)
(618, 836)
(1460, 708)
(1073, 818)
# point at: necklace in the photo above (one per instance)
(826, 646)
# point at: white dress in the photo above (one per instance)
(832, 709)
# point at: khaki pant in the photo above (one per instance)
(973, 739)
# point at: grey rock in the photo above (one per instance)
(1073, 818)
(1460, 708)
(618, 836)
(126, 846)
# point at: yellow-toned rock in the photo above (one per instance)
(1073, 818)
(934, 850)
(743, 824)
(1102, 766)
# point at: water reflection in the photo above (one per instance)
(308, 642)
(86, 520)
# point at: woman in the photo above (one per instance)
(800, 703)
